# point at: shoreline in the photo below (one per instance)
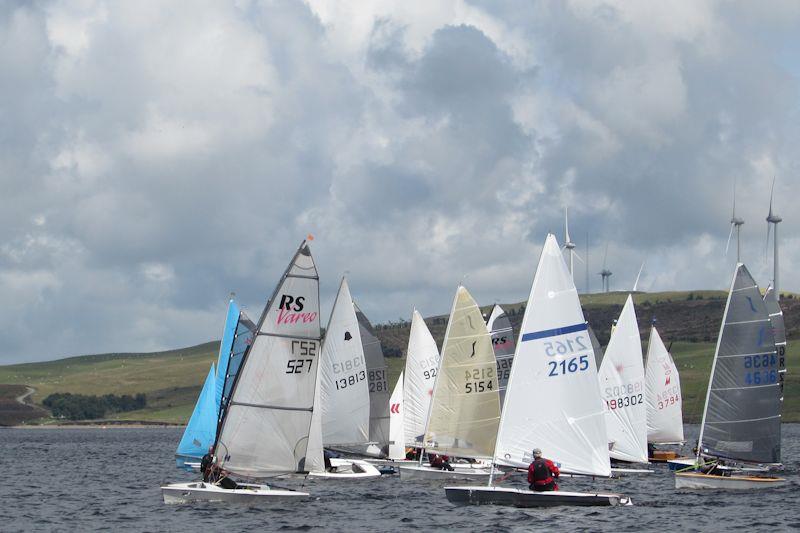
(99, 425)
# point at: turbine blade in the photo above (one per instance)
(566, 224)
(771, 191)
(636, 283)
(729, 239)
(577, 256)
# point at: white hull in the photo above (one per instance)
(628, 471)
(426, 473)
(199, 491)
(347, 469)
(477, 495)
(696, 480)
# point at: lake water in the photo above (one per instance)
(108, 479)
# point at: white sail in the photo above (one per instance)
(663, 394)
(465, 408)
(344, 392)
(265, 430)
(422, 362)
(397, 445)
(552, 401)
(621, 377)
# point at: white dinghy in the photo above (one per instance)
(266, 429)
(742, 415)
(554, 366)
(465, 408)
(344, 402)
(622, 388)
(663, 398)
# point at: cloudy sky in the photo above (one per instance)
(157, 155)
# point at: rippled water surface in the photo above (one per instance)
(108, 479)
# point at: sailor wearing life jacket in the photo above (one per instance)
(542, 473)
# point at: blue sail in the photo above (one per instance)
(201, 432)
(245, 329)
(225, 346)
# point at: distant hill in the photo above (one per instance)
(172, 379)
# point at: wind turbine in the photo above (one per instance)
(736, 222)
(569, 245)
(606, 273)
(773, 219)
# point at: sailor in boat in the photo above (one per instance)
(442, 462)
(542, 473)
(713, 468)
(206, 464)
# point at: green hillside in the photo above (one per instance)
(172, 379)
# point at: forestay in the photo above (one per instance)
(503, 343)
(266, 427)
(553, 397)
(465, 409)
(201, 430)
(344, 391)
(422, 362)
(378, 382)
(397, 446)
(742, 418)
(663, 394)
(622, 389)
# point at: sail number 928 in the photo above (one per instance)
(304, 351)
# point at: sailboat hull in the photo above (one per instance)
(198, 491)
(347, 469)
(684, 463)
(697, 481)
(416, 472)
(476, 495)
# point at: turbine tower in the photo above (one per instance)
(736, 222)
(606, 273)
(774, 219)
(569, 246)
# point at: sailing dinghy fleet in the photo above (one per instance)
(280, 394)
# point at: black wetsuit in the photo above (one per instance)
(205, 466)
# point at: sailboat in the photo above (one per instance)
(465, 407)
(201, 431)
(503, 343)
(663, 398)
(622, 389)
(266, 429)
(344, 390)
(422, 364)
(554, 366)
(598, 350)
(742, 415)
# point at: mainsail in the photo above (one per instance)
(553, 397)
(503, 343)
(265, 429)
(742, 416)
(202, 427)
(378, 381)
(422, 363)
(598, 350)
(343, 376)
(622, 388)
(465, 409)
(662, 394)
(397, 446)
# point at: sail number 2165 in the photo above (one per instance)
(567, 347)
